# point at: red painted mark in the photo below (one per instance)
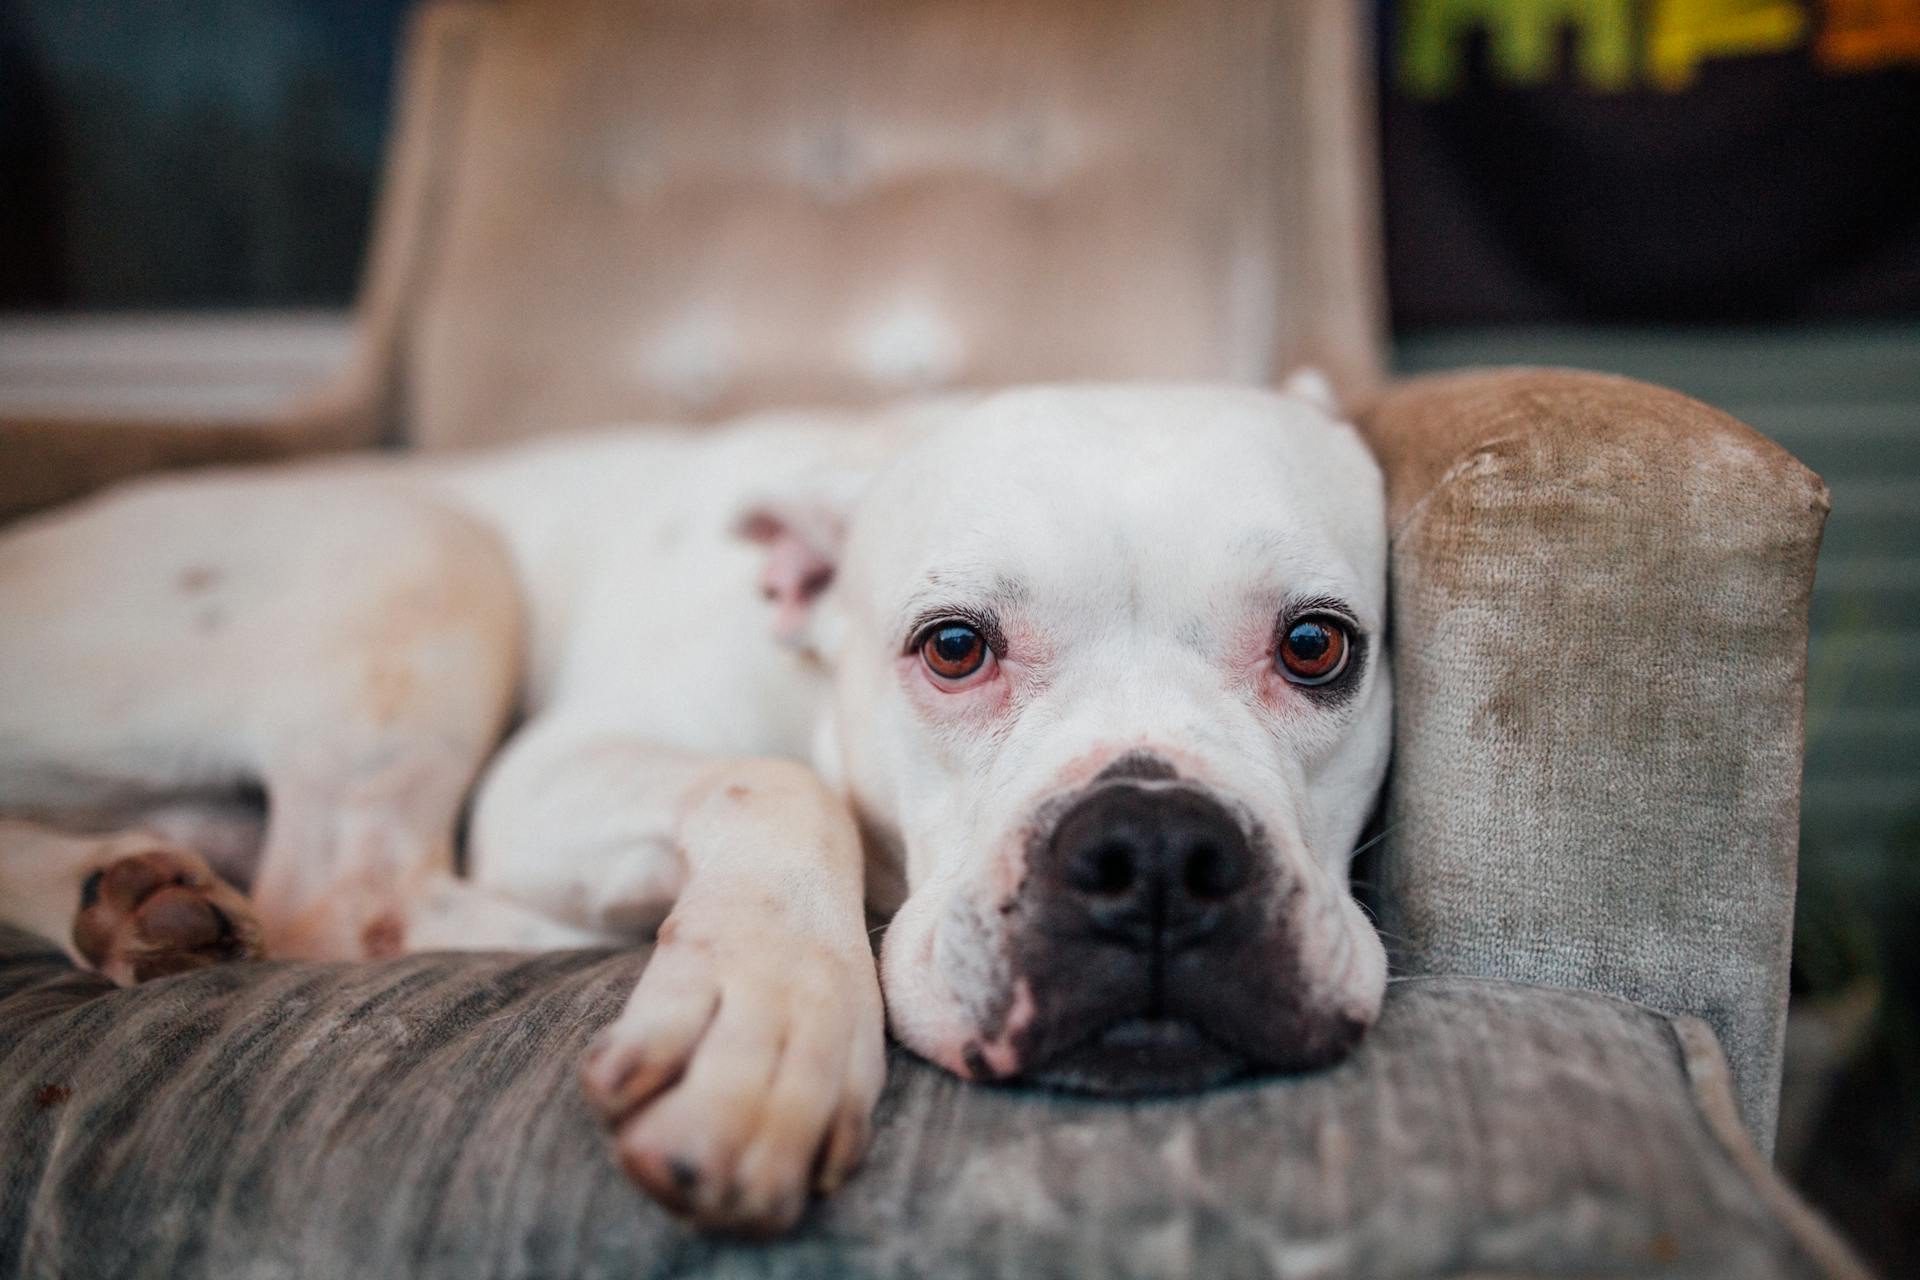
(52, 1095)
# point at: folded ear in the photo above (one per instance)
(803, 549)
(804, 533)
(1311, 385)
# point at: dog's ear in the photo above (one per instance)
(803, 550)
(1311, 385)
(804, 533)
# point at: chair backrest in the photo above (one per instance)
(621, 209)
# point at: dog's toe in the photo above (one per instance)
(159, 911)
(737, 1089)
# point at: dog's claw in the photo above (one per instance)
(160, 911)
(844, 1149)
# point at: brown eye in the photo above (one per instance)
(1313, 651)
(953, 651)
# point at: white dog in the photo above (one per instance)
(1093, 676)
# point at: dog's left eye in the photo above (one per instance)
(1314, 650)
(953, 650)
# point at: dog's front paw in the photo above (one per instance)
(161, 910)
(742, 1075)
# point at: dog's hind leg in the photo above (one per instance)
(360, 864)
(334, 638)
(368, 768)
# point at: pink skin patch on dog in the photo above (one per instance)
(1007, 869)
(924, 1012)
(1251, 656)
(1002, 685)
(1083, 769)
(384, 937)
(974, 700)
(1000, 1053)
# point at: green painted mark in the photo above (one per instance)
(1523, 40)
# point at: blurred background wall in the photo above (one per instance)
(1703, 161)
(1720, 195)
(189, 153)
(1627, 161)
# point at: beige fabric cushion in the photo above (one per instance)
(1599, 635)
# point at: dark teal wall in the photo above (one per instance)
(169, 153)
(189, 152)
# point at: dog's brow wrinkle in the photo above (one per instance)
(947, 588)
(1194, 634)
(1271, 543)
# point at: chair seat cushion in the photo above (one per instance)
(421, 1117)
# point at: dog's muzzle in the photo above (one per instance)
(1160, 950)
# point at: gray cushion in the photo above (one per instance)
(421, 1117)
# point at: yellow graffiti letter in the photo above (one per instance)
(1684, 33)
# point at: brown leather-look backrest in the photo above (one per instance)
(646, 209)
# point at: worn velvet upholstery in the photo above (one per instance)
(1599, 605)
(420, 1117)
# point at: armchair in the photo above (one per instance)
(599, 210)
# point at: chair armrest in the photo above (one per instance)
(1600, 597)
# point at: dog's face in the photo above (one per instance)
(1112, 702)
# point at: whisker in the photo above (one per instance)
(1366, 845)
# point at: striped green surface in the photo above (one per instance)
(1847, 403)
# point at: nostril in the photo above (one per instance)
(1106, 869)
(1212, 873)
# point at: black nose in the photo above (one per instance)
(1153, 867)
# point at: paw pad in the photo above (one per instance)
(158, 912)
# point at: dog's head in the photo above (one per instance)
(1111, 701)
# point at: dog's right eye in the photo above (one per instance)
(953, 650)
